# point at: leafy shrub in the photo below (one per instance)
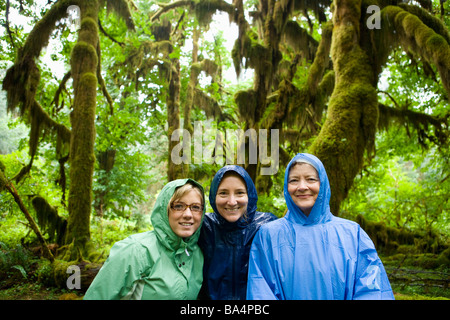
(15, 260)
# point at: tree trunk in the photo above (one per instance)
(349, 129)
(175, 170)
(84, 63)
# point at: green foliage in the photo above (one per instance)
(405, 187)
(402, 188)
(14, 260)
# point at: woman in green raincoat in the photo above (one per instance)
(165, 263)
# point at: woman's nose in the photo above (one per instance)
(232, 200)
(302, 185)
(187, 213)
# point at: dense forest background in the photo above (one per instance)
(102, 101)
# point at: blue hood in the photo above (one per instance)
(226, 245)
(251, 192)
(320, 212)
(314, 257)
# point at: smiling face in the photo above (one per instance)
(303, 186)
(232, 198)
(184, 223)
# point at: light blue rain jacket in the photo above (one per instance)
(313, 257)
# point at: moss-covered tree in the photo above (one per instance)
(84, 64)
(341, 82)
(358, 54)
(21, 83)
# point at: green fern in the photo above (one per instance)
(22, 270)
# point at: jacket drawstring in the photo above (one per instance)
(185, 248)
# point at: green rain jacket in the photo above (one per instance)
(156, 264)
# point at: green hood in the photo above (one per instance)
(156, 264)
(160, 218)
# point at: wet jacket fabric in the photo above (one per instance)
(313, 257)
(152, 265)
(226, 246)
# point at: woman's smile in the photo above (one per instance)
(232, 198)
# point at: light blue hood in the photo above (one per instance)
(320, 212)
(314, 257)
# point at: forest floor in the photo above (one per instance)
(419, 285)
(37, 291)
(413, 276)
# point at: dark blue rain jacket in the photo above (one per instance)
(226, 246)
(319, 256)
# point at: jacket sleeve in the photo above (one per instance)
(262, 283)
(371, 282)
(116, 278)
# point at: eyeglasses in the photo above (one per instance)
(180, 207)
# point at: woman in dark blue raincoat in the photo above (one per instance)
(309, 253)
(227, 234)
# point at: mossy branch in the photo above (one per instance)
(419, 121)
(418, 38)
(204, 9)
(6, 184)
(167, 7)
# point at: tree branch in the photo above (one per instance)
(421, 35)
(7, 24)
(61, 87)
(169, 6)
(5, 183)
(419, 121)
(107, 35)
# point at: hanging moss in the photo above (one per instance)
(205, 9)
(49, 220)
(22, 78)
(300, 40)
(247, 105)
(122, 9)
(321, 60)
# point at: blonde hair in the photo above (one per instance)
(181, 191)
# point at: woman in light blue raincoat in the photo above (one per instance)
(311, 254)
